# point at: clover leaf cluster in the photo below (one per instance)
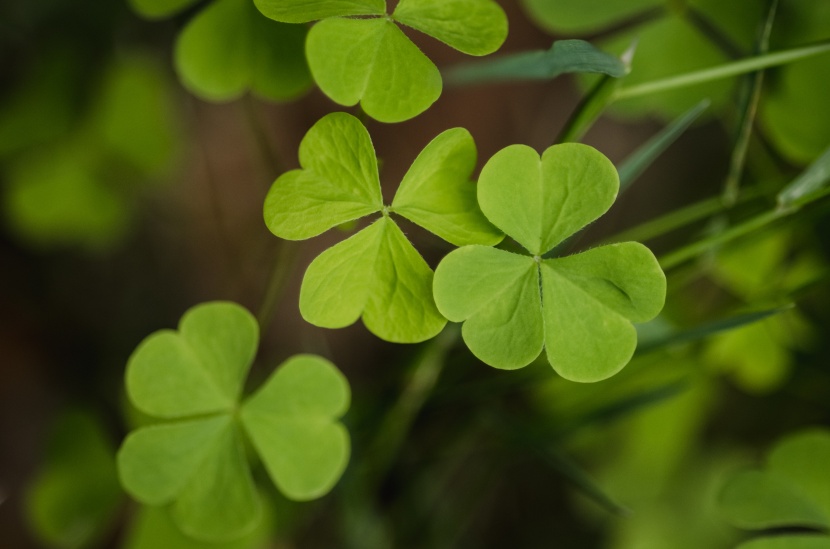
(229, 48)
(792, 491)
(375, 274)
(579, 308)
(358, 52)
(194, 459)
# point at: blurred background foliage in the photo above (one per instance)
(133, 166)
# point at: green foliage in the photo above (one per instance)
(792, 490)
(228, 48)
(376, 274)
(371, 61)
(74, 499)
(75, 188)
(197, 462)
(564, 56)
(579, 307)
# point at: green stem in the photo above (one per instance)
(692, 250)
(396, 425)
(286, 257)
(588, 110)
(726, 70)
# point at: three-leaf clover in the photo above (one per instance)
(375, 274)
(370, 60)
(579, 308)
(229, 48)
(792, 491)
(195, 461)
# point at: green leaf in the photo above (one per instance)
(197, 464)
(159, 9)
(198, 370)
(813, 183)
(292, 423)
(293, 11)
(540, 203)
(496, 294)
(438, 194)
(564, 56)
(74, 498)
(475, 27)
(792, 491)
(229, 48)
(593, 298)
(792, 541)
(378, 275)
(371, 61)
(338, 183)
(579, 307)
(584, 16)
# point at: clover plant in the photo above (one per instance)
(228, 48)
(195, 459)
(791, 491)
(375, 274)
(579, 308)
(358, 52)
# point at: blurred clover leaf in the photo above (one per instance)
(792, 491)
(229, 48)
(370, 60)
(195, 460)
(77, 189)
(579, 308)
(75, 497)
(375, 274)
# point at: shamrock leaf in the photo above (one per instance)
(376, 274)
(371, 61)
(229, 48)
(196, 463)
(793, 490)
(580, 307)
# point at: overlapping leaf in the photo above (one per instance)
(196, 463)
(580, 307)
(793, 490)
(371, 61)
(228, 48)
(376, 274)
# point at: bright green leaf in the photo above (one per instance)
(475, 27)
(159, 9)
(338, 183)
(229, 47)
(304, 11)
(378, 275)
(539, 203)
(564, 56)
(75, 497)
(438, 194)
(589, 302)
(802, 459)
(198, 370)
(497, 294)
(579, 307)
(292, 423)
(371, 61)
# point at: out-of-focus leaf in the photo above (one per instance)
(812, 184)
(793, 541)
(158, 9)
(564, 56)
(75, 497)
(581, 16)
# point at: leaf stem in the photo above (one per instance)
(726, 70)
(286, 257)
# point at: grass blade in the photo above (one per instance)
(675, 337)
(813, 183)
(633, 166)
(565, 56)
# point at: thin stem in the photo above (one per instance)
(726, 70)
(286, 257)
(702, 23)
(588, 110)
(263, 142)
